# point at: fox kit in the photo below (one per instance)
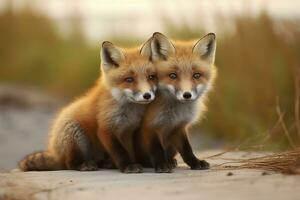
(186, 73)
(104, 119)
(131, 81)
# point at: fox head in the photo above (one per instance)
(128, 73)
(185, 70)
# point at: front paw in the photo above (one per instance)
(172, 162)
(132, 168)
(163, 168)
(88, 166)
(200, 165)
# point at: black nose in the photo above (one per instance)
(187, 95)
(147, 96)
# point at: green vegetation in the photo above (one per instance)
(258, 63)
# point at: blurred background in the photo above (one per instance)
(49, 55)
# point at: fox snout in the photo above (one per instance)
(145, 97)
(142, 97)
(144, 93)
(187, 94)
(192, 94)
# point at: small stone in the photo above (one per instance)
(265, 173)
(229, 174)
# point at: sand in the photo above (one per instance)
(183, 183)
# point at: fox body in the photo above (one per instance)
(186, 73)
(100, 124)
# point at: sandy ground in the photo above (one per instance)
(183, 183)
(29, 135)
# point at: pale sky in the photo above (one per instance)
(141, 18)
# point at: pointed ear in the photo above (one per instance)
(206, 48)
(146, 49)
(111, 56)
(161, 47)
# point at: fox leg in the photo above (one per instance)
(183, 146)
(78, 149)
(158, 157)
(118, 153)
(75, 160)
(140, 151)
(106, 162)
(155, 151)
(170, 153)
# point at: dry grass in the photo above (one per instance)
(287, 163)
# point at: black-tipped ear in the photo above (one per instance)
(206, 48)
(111, 56)
(146, 49)
(161, 47)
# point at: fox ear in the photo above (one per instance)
(111, 56)
(161, 47)
(146, 49)
(206, 48)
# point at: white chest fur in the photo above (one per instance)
(175, 112)
(126, 116)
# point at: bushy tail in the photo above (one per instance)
(40, 161)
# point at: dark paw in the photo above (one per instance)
(200, 165)
(172, 163)
(132, 168)
(163, 168)
(88, 166)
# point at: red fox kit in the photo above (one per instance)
(186, 73)
(104, 119)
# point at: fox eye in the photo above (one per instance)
(197, 75)
(151, 77)
(173, 76)
(129, 79)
